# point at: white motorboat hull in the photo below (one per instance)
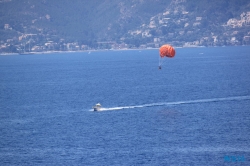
(97, 109)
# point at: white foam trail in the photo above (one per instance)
(178, 103)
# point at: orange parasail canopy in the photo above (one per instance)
(167, 50)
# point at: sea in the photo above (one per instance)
(194, 111)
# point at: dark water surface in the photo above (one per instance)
(195, 111)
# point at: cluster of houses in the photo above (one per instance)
(26, 43)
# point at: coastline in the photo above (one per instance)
(95, 50)
(60, 52)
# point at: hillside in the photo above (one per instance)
(205, 22)
(44, 25)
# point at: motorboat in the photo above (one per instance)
(97, 107)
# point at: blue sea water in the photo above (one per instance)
(194, 111)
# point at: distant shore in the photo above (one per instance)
(59, 52)
(79, 51)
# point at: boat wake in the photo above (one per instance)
(177, 103)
